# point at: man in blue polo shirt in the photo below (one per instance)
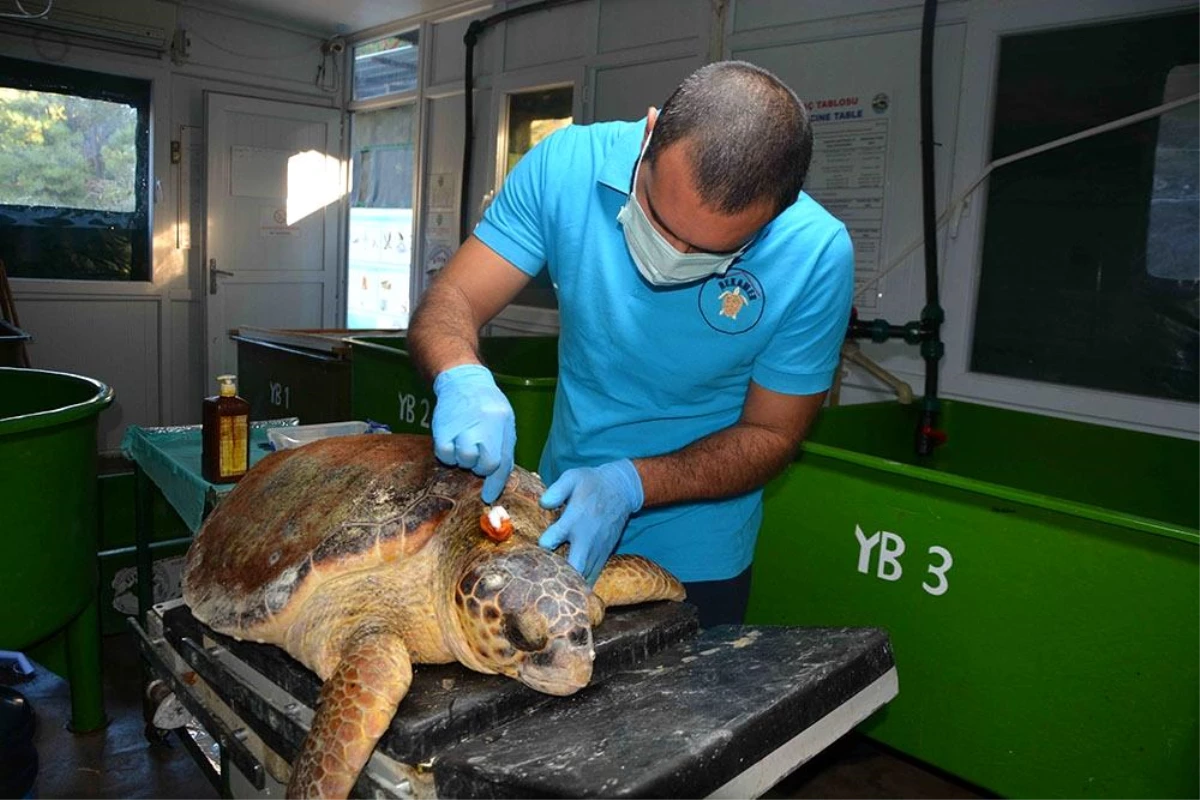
(702, 299)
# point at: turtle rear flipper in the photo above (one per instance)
(355, 708)
(628, 579)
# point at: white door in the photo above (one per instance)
(276, 187)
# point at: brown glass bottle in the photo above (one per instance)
(225, 434)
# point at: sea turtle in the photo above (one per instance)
(361, 555)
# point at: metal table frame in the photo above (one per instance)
(144, 488)
(233, 702)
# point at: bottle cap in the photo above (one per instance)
(228, 385)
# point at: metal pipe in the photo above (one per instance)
(852, 354)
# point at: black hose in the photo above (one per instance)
(470, 38)
(932, 315)
(464, 191)
(928, 199)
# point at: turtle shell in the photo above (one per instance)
(332, 506)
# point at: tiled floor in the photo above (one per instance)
(118, 762)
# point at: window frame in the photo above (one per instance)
(416, 98)
(540, 284)
(355, 104)
(531, 79)
(137, 91)
(504, 104)
(964, 233)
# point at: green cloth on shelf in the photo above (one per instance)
(170, 457)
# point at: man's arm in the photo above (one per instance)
(733, 461)
(473, 425)
(475, 286)
(737, 459)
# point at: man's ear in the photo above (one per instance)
(651, 118)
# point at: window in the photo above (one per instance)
(381, 217)
(74, 173)
(383, 141)
(1089, 267)
(532, 116)
(386, 66)
(1172, 247)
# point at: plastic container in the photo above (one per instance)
(1038, 579)
(298, 435)
(225, 434)
(48, 537)
(386, 386)
(295, 373)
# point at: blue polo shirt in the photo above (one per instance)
(646, 370)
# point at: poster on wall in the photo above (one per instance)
(441, 191)
(379, 255)
(273, 221)
(441, 231)
(848, 177)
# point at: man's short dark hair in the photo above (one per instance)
(749, 132)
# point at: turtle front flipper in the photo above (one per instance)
(356, 706)
(627, 579)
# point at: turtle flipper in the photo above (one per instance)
(627, 579)
(356, 706)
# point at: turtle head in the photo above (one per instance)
(524, 613)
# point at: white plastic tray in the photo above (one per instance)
(287, 438)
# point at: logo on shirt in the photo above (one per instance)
(733, 302)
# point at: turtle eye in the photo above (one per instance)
(526, 631)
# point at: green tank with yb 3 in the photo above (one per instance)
(1038, 578)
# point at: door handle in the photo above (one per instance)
(213, 272)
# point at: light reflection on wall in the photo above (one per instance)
(314, 180)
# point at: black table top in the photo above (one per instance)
(670, 711)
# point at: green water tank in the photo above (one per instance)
(385, 386)
(48, 539)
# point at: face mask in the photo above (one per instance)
(657, 261)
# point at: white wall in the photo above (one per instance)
(444, 119)
(628, 54)
(622, 56)
(147, 339)
(861, 49)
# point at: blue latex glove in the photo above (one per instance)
(473, 426)
(599, 502)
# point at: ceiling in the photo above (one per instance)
(331, 16)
